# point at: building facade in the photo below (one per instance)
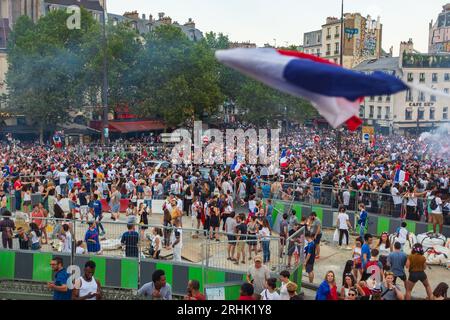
(439, 32)
(312, 43)
(362, 40)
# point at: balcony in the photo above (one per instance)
(370, 115)
(386, 117)
(337, 35)
(336, 51)
(328, 53)
(379, 116)
(328, 37)
(422, 80)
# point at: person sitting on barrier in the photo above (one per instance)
(24, 240)
(35, 235)
(177, 240)
(293, 245)
(79, 247)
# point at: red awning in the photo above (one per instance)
(136, 126)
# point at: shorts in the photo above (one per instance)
(417, 276)
(317, 239)
(214, 222)
(252, 240)
(27, 203)
(231, 238)
(115, 208)
(309, 267)
(403, 278)
(437, 218)
(282, 240)
(241, 245)
(317, 194)
(148, 203)
(84, 210)
(291, 249)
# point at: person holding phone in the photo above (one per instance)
(87, 287)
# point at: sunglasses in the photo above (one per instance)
(351, 295)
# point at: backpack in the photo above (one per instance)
(433, 204)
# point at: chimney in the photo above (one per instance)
(132, 15)
(143, 16)
(190, 23)
(161, 15)
(150, 18)
(166, 20)
(391, 51)
(407, 47)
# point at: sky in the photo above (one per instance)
(283, 22)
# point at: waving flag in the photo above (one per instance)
(236, 166)
(283, 159)
(401, 176)
(335, 92)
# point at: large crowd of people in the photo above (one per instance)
(354, 177)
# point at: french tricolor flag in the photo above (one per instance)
(401, 176)
(283, 159)
(236, 166)
(334, 91)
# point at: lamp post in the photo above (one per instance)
(338, 135)
(105, 131)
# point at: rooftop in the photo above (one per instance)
(385, 63)
(88, 4)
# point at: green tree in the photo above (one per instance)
(178, 78)
(45, 67)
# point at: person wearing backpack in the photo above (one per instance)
(7, 227)
(437, 217)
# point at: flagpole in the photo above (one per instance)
(341, 60)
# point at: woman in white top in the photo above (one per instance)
(269, 293)
(27, 200)
(284, 279)
(343, 224)
(87, 287)
(155, 248)
(384, 247)
(349, 283)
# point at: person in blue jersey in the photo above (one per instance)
(362, 222)
(96, 206)
(92, 238)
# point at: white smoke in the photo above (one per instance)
(438, 142)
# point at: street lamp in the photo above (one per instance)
(105, 131)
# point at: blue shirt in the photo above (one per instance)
(266, 191)
(97, 205)
(365, 249)
(363, 218)
(323, 291)
(310, 249)
(316, 181)
(397, 261)
(93, 245)
(61, 278)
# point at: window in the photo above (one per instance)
(337, 35)
(410, 77)
(371, 108)
(328, 49)
(372, 98)
(422, 77)
(379, 110)
(421, 96)
(421, 114)
(446, 90)
(361, 112)
(445, 113)
(408, 114)
(434, 77)
(433, 98)
(319, 38)
(380, 99)
(388, 112)
(336, 49)
(318, 52)
(328, 33)
(446, 76)
(409, 96)
(388, 99)
(432, 112)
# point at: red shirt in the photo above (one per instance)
(17, 185)
(333, 294)
(246, 298)
(199, 296)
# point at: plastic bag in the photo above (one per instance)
(336, 236)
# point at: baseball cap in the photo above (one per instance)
(257, 258)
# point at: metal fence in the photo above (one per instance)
(137, 241)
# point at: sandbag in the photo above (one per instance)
(428, 240)
(110, 244)
(437, 255)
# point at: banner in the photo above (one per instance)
(368, 134)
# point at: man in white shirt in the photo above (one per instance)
(346, 198)
(397, 199)
(177, 240)
(436, 211)
(62, 175)
(343, 224)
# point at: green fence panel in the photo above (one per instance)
(7, 264)
(232, 292)
(213, 277)
(195, 273)
(298, 211)
(41, 267)
(100, 269)
(430, 227)
(129, 276)
(168, 269)
(278, 209)
(383, 225)
(411, 226)
(8, 203)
